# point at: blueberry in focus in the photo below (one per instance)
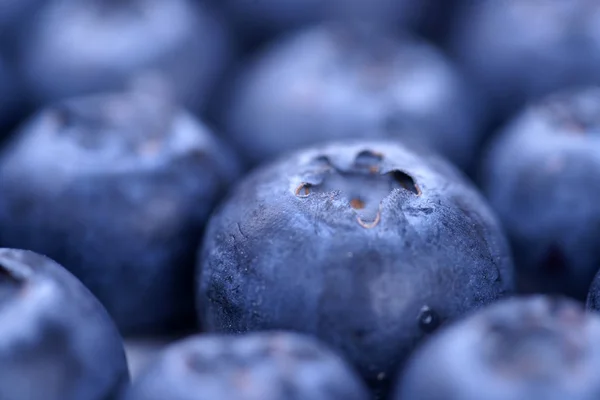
(334, 82)
(517, 349)
(516, 50)
(367, 245)
(260, 366)
(540, 177)
(117, 188)
(84, 46)
(56, 341)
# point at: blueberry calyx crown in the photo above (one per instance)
(137, 121)
(363, 184)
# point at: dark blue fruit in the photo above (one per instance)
(516, 50)
(117, 188)
(540, 177)
(56, 341)
(367, 245)
(84, 46)
(518, 349)
(333, 82)
(261, 366)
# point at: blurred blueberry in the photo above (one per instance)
(540, 176)
(116, 187)
(84, 46)
(56, 341)
(518, 349)
(367, 245)
(516, 50)
(261, 366)
(335, 82)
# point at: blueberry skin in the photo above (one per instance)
(259, 366)
(334, 82)
(56, 340)
(551, 45)
(116, 187)
(367, 245)
(85, 46)
(526, 348)
(539, 176)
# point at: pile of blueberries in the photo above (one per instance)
(299, 199)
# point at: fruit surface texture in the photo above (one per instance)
(369, 246)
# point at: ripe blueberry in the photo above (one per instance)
(86, 46)
(540, 177)
(367, 245)
(116, 187)
(517, 349)
(56, 341)
(260, 366)
(516, 51)
(333, 82)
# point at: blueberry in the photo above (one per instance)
(517, 349)
(540, 177)
(367, 245)
(333, 82)
(116, 187)
(260, 366)
(516, 51)
(56, 341)
(84, 46)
